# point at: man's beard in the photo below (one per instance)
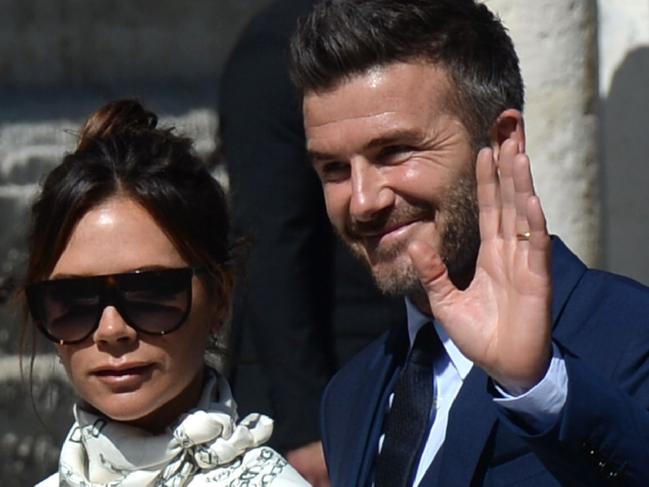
(459, 238)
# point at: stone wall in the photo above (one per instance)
(45, 43)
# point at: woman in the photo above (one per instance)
(130, 273)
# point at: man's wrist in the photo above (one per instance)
(540, 406)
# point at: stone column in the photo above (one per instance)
(556, 43)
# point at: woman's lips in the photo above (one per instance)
(124, 376)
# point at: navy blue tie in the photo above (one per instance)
(408, 421)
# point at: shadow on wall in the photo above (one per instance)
(625, 168)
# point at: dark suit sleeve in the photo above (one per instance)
(284, 303)
(602, 436)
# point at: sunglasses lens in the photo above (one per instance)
(158, 301)
(155, 302)
(67, 309)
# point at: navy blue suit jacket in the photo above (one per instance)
(601, 322)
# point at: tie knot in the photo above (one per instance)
(426, 345)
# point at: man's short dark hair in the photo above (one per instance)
(340, 39)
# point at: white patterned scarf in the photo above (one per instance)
(206, 447)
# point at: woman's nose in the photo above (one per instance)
(113, 328)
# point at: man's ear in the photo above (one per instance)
(509, 125)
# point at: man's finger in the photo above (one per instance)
(523, 190)
(506, 157)
(539, 253)
(432, 273)
(488, 195)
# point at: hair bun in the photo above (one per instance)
(114, 118)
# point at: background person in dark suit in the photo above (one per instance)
(307, 305)
(537, 368)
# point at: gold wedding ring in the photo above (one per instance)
(523, 236)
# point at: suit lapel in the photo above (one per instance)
(470, 424)
(567, 270)
(368, 407)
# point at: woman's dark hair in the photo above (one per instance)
(340, 39)
(122, 152)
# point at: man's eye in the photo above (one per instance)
(334, 171)
(395, 153)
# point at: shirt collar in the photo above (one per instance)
(417, 319)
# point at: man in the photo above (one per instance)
(306, 305)
(538, 368)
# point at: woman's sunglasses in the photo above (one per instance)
(69, 310)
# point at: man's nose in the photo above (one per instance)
(371, 193)
(113, 328)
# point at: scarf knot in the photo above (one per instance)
(214, 438)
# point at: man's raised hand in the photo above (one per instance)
(502, 321)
